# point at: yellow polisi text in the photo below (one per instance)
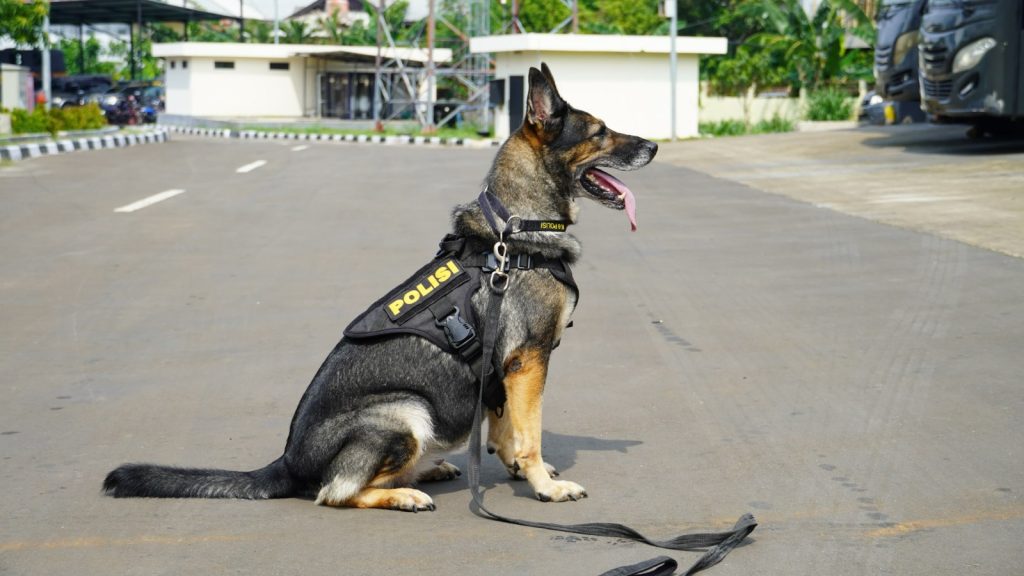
(438, 278)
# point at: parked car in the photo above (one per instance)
(72, 90)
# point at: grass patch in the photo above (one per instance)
(830, 104)
(740, 128)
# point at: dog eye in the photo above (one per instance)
(601, 133)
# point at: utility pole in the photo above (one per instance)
(277, 21)
(670, 5)
(431, 81)
(45, 53)
(241, 20)
(378, 126)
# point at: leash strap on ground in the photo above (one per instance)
(720, 543)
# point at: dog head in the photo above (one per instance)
(576, 145)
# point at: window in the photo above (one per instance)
(173, 64)
(278, 65)
(184, 64)
(223, 64)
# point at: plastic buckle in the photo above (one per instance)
(519, 261)
(492, 263)
(457, 330)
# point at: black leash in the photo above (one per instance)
(718, 544)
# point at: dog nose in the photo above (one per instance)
(653, 147)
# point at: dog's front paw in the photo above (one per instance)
(560, 491)
(517, 473)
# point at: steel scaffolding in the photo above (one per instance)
(466, 77)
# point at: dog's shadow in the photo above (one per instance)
(560, 450)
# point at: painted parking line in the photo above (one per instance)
(139, 205)
(251, 166)
(299, 148)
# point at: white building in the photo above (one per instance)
(217, 79)
(624, 80)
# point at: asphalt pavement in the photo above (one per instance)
(855, 384)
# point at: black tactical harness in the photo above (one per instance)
(435, 303)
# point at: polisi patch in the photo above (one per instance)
(421, 290)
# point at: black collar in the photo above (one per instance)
(494, 210)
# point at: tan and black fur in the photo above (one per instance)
(364, 431)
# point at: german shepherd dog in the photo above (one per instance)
(364, 429)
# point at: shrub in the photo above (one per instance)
(88, 117)
(34, 122)
(829, 104)
(72, 118)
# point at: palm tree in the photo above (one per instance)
(296, 32)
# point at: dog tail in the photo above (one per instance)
(151, 481)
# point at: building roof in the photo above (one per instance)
(123, 11)
(597, 43)
(237, 50)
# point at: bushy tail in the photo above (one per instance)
(151, 481)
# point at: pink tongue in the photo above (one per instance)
(623, 191)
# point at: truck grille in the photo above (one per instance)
(934, 57)
(937, 90)
(883, 56)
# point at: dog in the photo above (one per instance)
(376, 411)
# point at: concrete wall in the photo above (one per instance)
(251, 88)
(630, 92)
(719, 108)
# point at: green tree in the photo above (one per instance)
(815, 45)
(259, 31)
(23, 22)
(296, 32)
(84, 57)
(638, 17)
(212, 32)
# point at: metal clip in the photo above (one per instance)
(499, 278)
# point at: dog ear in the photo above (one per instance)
(544, 106)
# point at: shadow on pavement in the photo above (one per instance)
(948, 139)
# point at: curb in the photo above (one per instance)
(361, 138)
(63, 145)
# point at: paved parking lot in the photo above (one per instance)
(854, 384)
(923, 177)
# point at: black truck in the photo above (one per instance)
(896, 61)
(971, 55)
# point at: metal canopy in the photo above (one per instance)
(79, 12)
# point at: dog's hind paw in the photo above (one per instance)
(408, 499)
(441, 471)
(560, 491)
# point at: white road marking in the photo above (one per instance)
(251, 167)
(299, 148)
(148, 201)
